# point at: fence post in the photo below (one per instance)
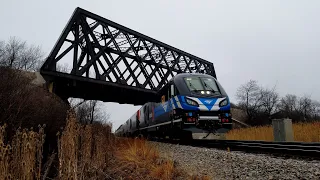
(282, 129)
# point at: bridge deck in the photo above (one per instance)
(68, 85)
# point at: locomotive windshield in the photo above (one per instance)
(203, 85)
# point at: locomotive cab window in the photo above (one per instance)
(193, 83)
(168, 91)
(202, 85)
(210, 84)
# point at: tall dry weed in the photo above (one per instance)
(68, 149)
(95, 150)
(86, 146)
(253, 133)
(84, 150)
(304, 132)
(23, 157)
(307, 132)
(102, 146)
(4, 155)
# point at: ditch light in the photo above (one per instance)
(224, 120)
(191, 119)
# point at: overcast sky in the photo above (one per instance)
(271, 41)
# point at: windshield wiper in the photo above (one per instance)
(205, 84)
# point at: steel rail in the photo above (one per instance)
(291, 149)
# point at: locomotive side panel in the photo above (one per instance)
(148, 115)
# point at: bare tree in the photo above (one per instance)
(288, 105)
(261, 104)
(304, 107)
(2, 43)
(76, 102)
(89, 111)
(269, 100)
(299, 108)
(63, 68)
(16, 54)
(308, 109)
(14, 95)
(315, 110)
(26, 105)
(250, 98)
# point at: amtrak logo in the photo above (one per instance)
(208, 101)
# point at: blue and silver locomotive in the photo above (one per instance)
(192, 106)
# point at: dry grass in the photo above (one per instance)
(137, 159)
(84, 152)
(142, 161)
(304, 132)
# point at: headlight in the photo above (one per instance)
(191, 102)
(224, 102)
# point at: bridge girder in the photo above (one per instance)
(99, 47)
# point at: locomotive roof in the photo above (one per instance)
(184, 75)
(179, 80)
(179, 77)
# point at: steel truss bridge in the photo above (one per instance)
(113, 63)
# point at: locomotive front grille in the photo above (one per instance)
(208, 113)
(208, 118)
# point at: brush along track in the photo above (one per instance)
(287, 149)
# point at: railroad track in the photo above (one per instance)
(286, 149)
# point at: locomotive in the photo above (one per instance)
(192, 106)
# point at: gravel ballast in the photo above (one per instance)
(220, 164)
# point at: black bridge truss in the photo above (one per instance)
(110, 58)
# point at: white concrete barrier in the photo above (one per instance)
(282, 130)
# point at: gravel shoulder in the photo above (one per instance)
(220, 164)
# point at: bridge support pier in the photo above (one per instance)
(282, 130)
(51, 87)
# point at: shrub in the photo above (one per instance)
(305, 132)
